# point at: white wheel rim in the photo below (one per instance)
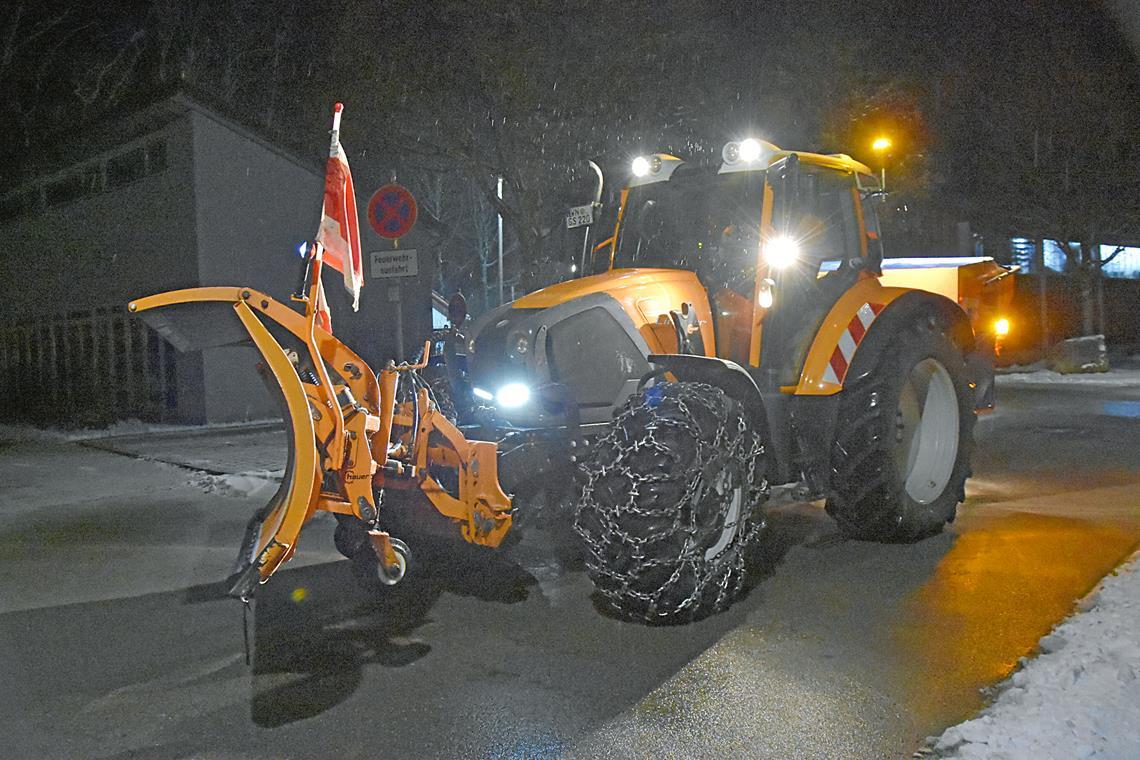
(392, 580)
(927, 431)
(731, 519)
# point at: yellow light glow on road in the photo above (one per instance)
(1004, 581)
(298, 595)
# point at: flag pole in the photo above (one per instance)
(337, 109)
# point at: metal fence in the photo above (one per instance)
(85, 369)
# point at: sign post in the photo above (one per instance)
(392, 213)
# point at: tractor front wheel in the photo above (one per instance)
(671, 503)
(900, 463)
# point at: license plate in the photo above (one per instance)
(580, 216)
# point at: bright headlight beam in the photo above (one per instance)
(640, 166)
(1001, 327)
(749, 150)
(485, 395)
(781, 251)
(512, 395)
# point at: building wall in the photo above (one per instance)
(199, 201)
(108, 245)
(254, 207)
(116, 226)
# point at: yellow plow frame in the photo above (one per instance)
(348, 437)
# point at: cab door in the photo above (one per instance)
(816, 214)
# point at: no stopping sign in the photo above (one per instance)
(392, 211)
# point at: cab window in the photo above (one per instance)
(699, 221)
(827, 222)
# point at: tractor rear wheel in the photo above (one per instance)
(671, 503)
(902, 454)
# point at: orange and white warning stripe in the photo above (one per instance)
(841, 357)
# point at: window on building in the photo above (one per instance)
(156, 157)
(126, 168)
(19, 203)
(65, 189)
(92, 179)
(1125, 264)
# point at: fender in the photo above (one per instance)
(768, 413)
(854, 335)
(912, 306)
(846, 334)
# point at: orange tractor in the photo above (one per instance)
(741, 329)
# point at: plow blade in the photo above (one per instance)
(210, 317)
(351, 433)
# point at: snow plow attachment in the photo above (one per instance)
(351, 432)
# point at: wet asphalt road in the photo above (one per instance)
(115, 642)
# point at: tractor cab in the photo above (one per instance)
(775, 237)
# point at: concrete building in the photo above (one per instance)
(172, 196)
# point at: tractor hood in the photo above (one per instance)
(616, 283)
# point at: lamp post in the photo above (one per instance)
(881, 145)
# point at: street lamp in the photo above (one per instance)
(881, 145)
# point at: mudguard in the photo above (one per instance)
(966, 294)
(839, 336)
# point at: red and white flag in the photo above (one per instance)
(339, 232)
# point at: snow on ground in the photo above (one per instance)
(118, 429)
(1080, 698)
(254, 484)
(1034, 376)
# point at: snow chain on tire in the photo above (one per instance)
(660, 489)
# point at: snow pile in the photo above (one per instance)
(24, 433)
(252, 484)
(119, 429)
(1080, 698)
(137, 427)
(1116, 377)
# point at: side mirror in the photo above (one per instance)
(457, 310)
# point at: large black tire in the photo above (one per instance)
(350, 533)
(671, 503)
(440, 386)
(905, 435)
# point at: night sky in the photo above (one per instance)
(1016, 115)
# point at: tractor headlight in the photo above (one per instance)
(645, 165)
(746, 154)
(781, 251)
(512, 395)
(765, 297)
(1001, 327)
(749, 150)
